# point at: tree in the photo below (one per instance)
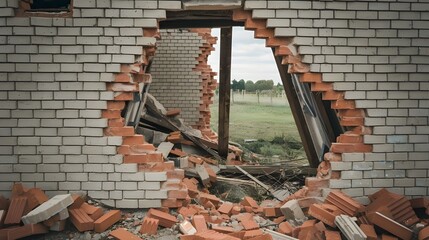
(234, 85)
(264, 85)
(250, 86)
(241, 85)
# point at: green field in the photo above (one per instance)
(248, 120)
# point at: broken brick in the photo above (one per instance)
(107, 220)
(187, 228)
(369, 231)
(149, 226)
(346, 204)
(225, 208)
(165, 219)
(285, 228)
(123, 234)
(92, 211)
(249, 224)
(325, 213)
(248, 201)
(199, 223)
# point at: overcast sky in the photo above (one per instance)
(251, 60)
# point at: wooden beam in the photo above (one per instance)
(297, 112)
(224, 89)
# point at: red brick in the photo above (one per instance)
(187, 211)
(107, 220)
(350, 138)
(388, 237)
(253, 233)
(119, 131)
(285, 228)
(283, 51)
(332, 235)
(77, 201)
(136, 149)
(93, 212)
(144, 158)
(325, 213)
(111, 114)
(133, 140)
(272, 211)
(264, 33)
(225, 208)
(199, 223)
(123, 234)
(251, 24)
(165, 219)
(122, 87)
(249, 224)
(178, 152)
(149, 226)
(35, 197)
(390, 226)
(248, 201)
(4, 203)
(350, 147)
(81, 220)
(115, 105)
(345, 203)
(241, 15)
(27, 230)
(223, 229)
(331, 95)
(124, 97)
(321, 87)
(310, 77)
(16, 210)
(424, 233)
(369, 231)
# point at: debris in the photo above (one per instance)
(369, 231)
(81, 220)
(292, 210)
(107, 220)
(165, 219)
(325, 213)
(16, 210)
(278, 236)
(149, 226)
(48, 209)
(391, 226)
(123, 234)
(187, 228)
(349, 228)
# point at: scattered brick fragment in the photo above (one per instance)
(225, 208)
(199, 223)
(369, 231)
(123, 234)
(107, 220)
(285, 228)
(325, 213)
(149, 226)
(187, 228)
(92, 211)
(165, 219)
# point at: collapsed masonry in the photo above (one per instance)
(66, 81)
(204, 216)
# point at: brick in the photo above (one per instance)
(149, 226)
(93, 212)
(123, 234)
(165, 219)
(27, 230)
(325, 213)
(81, 220)
(16, 210)
(369, 231)
(48, 209)
(292, 210)
(199, 223)
(391, 226)
(107, 220)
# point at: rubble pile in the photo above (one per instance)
(204, 216)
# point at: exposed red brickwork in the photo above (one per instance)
(208, 82)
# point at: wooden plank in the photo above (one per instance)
(224, 89)
(266, 187)
(297, 112)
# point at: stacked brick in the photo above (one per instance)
(208, 82)
(176, 84)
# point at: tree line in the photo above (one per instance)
(250, 86)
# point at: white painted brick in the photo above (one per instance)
(135, 194)
(154, 203)
(130, 168)
(149, 185)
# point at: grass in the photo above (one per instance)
(253, 121)
(271, 124)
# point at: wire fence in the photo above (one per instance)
(263, 98)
